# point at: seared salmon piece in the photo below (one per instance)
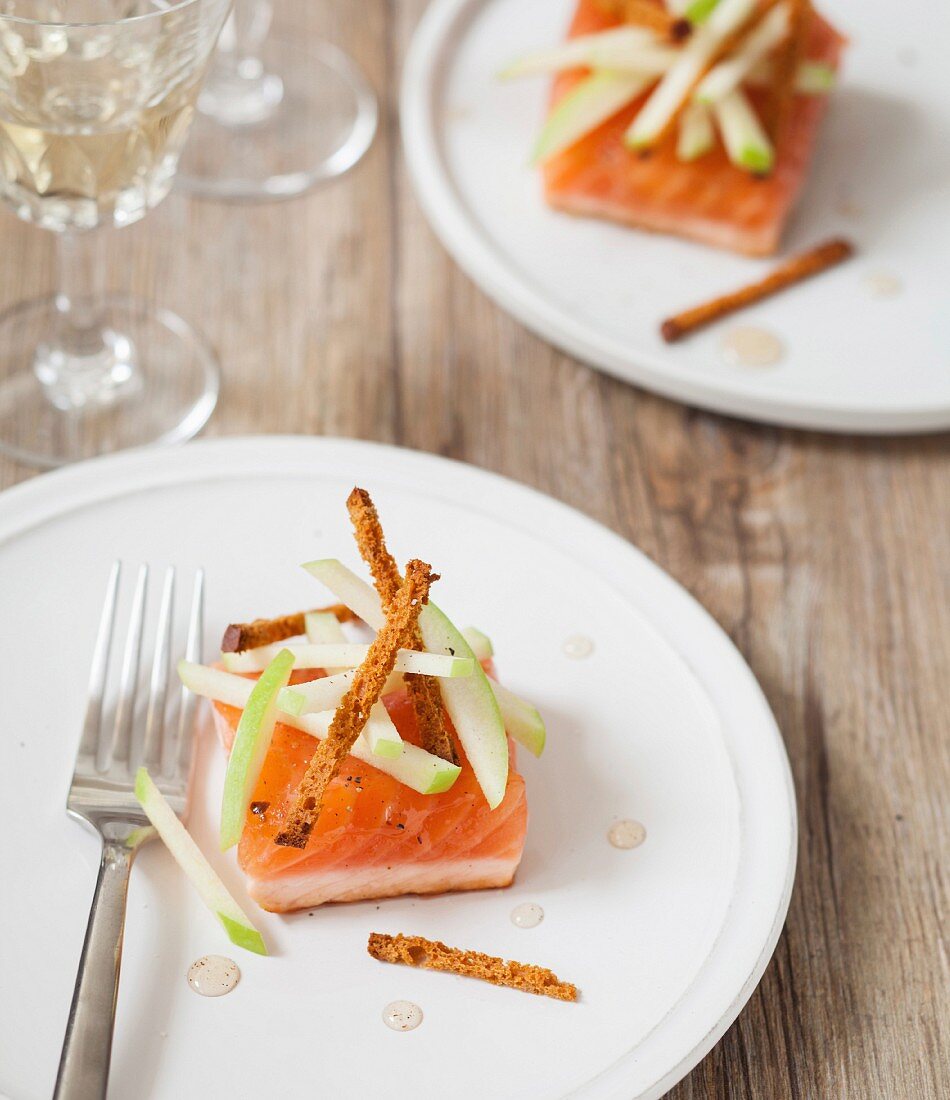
(708, 199)
(375, 838)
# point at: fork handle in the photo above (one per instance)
(84, 1064)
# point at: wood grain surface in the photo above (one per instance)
(827, 559)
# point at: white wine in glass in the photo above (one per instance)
(96, 98)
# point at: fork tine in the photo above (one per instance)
(100, 664)
(125, 706)
(143, 742)
(178, 749)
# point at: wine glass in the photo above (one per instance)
(275, 117)
(96, 97)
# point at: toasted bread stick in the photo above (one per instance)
(787, 58)
(649, 14)
(433, 955)
(241, 636)
(794, 270)
(353, 712)
(423, 690)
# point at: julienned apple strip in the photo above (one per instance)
(590, 102)
(480, 643)
(381, 734)
(414, 767)
(747, 144)
(346, 655)
(696, 133)
(522, 719)
(189, 857)
(627, 49)
(323, 628)
(729, 73)
(251, 742)
(678, 82)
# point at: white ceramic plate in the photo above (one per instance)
(663, 723)
(853, 362)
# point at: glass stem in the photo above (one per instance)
(84, 361)
(239, 91)
(244, 34)
(80, 283)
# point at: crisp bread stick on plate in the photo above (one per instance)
(241, 636)
(433, 955)
(794, 270)
(423, 690)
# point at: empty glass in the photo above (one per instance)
(275, 117)
(96, 97)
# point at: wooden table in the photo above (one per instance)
(826, 558)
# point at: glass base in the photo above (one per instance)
(159, 385)
(302, 116)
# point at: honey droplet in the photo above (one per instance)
(213, 975)
(626, 834)
(402, 1016)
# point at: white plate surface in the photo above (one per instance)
(881, 176)
(664, 723)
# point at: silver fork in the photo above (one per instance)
(102, 795)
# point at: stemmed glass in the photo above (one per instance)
(96, 97)
(275, 117)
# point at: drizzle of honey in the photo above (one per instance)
(213, 975)
(626, 834)
(527, 915)
(751, 346)
(578, 646)
(402, 1016)
(882, 284)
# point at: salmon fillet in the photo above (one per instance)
(709, 199)
(375, 837)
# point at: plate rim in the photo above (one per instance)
(433, 41)
(49, 496)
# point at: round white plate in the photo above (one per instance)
(663, 723)
(853, 362)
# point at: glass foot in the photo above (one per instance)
(302, 116)
(152, 380)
